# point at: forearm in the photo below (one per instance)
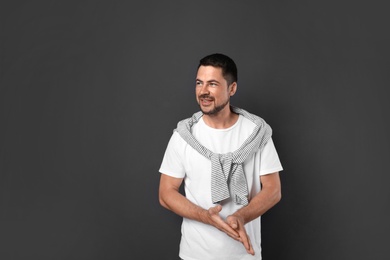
(174, 201)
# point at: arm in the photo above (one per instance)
(171, 199)
(269, 195)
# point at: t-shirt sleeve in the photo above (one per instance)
(172, 163)
(269, 159)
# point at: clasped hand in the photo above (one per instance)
(233, 227)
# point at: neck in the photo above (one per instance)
(221, 120)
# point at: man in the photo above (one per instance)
(230, 168)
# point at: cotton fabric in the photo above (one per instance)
(204, 242)
(226, 169)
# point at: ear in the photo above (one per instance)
(233, 88)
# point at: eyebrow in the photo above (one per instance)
(209, 81)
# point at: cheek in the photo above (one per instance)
(222, 96)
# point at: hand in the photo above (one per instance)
(214, 219)
(237, 223)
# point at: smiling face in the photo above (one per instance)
(212, 90)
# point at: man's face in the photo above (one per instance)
(212, 90)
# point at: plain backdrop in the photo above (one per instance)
(90, 92)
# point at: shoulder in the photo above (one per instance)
(176, 139)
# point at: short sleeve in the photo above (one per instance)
(269, 159)
(172, 163)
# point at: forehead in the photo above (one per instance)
(209, 72)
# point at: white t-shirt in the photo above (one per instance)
(204, 242)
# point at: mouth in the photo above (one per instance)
(205, 100)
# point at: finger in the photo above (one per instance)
(251, 251)
(234, 237)
(215, 210)
(220, 223)
(229, 230)
(245, 240)
(233, 224)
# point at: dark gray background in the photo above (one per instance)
(90, 92)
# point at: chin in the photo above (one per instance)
(206, 110)
(209, 112)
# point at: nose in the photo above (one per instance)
(204, 90)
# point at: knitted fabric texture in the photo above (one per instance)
(227, 173)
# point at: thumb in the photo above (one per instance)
(215, 210)
(233, 223)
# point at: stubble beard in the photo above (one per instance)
(215, 110)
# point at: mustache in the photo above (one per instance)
(206, 96)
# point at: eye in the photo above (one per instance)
(213, 84)
(198, 83)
